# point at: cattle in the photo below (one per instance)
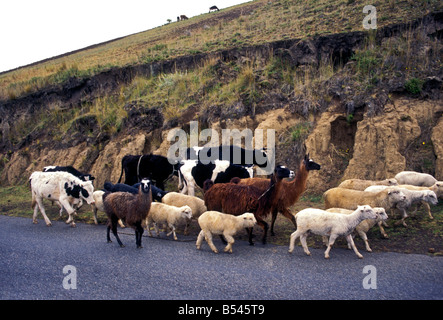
(58, 186)
(194, 172)
(71, 170)
(214, 8)
(157, 193)
(155, 167)
(233, 154)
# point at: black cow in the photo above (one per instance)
(155, 167)
(157, 193)
(71, 170)
(214, 8)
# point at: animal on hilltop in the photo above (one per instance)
(183, 17)
(155, 167)
(131, 208)
(213, 8)
(58, 186)
(290, 191)
(214, 222)
(236, 199)
(321, 222)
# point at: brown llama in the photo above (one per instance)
(131, 208)
(290, 191)
(237, 199)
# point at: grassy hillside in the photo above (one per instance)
(251, 23)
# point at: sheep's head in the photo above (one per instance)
(310, 164)
(367, 212)
(145, 185)
(248, 220)
(187, 212)
(381, 214)
(392, 182)
(430, 197)
(395, 196)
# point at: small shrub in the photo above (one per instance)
(414, 85)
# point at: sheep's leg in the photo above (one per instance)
(382, 230)
(120, 222)
(200, 237)
(404, 216)
(365, 239)
(94, 209)
(208, 238)
(172, 231)
(156, 229)
(351, 242)
(292, 239)
(42, 210)
(428, 209)
(231, 241)
(331, 242)
(303, 238)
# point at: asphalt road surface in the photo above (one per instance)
(60, 262)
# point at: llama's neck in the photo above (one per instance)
(295, 188)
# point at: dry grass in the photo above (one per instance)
(251, 23)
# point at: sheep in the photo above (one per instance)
(177, 199)
(237, 199)
(214, 222)
(170, 215)
(351, 199)
(329, 224)
(359, 184)
(415, 178)
(363, 226)
(290, 191)
(98, 206)
(131, 208)
(412, 197)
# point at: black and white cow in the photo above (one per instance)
(155, 167)
(59, 186)
(194, 172)
(233, 154)
(71, 170)
(157, 193)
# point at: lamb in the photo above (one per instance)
(412, 197)
(98, 206)
(290, 191)
(329, 224)
(170, 215)
(351, 199)
(415, 178)
(131, 208)
(197, 205)
(359, 184)
(236, 199)
(214, 222)
(363, 226)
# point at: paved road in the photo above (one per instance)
(32, 259)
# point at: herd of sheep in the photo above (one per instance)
(355, 206)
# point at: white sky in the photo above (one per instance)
(33, 30)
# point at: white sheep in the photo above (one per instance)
(415, 178)
(166, 214)
(178, 199)
(214, 222)
(329, 224)
(424, 196)
(98, 206)
(363, 226)
(360, 184)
